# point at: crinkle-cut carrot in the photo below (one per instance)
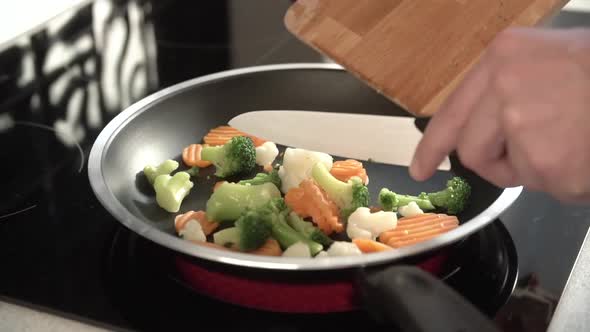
(368, 245)
(343, 170)
(217, 184)
(191, 155)
(309, 200)
(270, 248)
(208, 226)
(222, 134)
(412, 230)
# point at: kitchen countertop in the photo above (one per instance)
(14, 317)
(571, 313)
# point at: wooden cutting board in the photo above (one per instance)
(412, 51)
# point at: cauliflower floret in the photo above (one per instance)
(410, 210)
(266, 153)
(321, 254)
(298, 249)
(297, 165)
(343, 248)
(192, 231)
(364, 224)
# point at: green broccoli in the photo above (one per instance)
(275, 212)
(171, 190)
(260, 178)
(230, 200)
(254, 231)
(249, 233)
(237, 156)
(166, 167)
(228, 237)
(308, 230)
(390, 201)
(348, 196)
(452, 199)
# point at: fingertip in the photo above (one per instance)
(416, 171)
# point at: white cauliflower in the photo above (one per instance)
(366, 225)
(192, 231)
(266, 153)
(298, 249)
(297, 165)
(410, 210)
(321, 254)
(343, 248)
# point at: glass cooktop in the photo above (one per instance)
(62, 252)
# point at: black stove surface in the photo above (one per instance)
(62, 252)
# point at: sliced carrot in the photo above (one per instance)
(217, 184)
(368, 245)
(412, 230)
(270, 248)
(191, 155)
(200, 216)
(222, 134)
(343, 170)
(309, 200)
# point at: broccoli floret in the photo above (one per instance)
(275, 212)
(230, 200)
(452, 199)
(391, 201)
(171, 190)
(348, 196)
(308, 230)
(237, 156)
(249, 233)
(229, 237)
(166, 167)
(254, 231)
(260, 178)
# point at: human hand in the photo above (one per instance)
(521, 116)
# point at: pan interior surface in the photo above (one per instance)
(161, 125)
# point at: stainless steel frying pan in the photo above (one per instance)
(161, 125)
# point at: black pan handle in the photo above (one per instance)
(415, 301)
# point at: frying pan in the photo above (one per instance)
(159, 126)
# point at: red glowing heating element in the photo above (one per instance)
(281, 294)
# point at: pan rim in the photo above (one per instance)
(121, 214)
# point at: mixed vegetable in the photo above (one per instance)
(309, 205)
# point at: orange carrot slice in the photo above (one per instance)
(191, 155)
(270, 248)
(200, 216)
(343, 170)
(368, 245)
(222, 134)
(309, 200)
(412, 230)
